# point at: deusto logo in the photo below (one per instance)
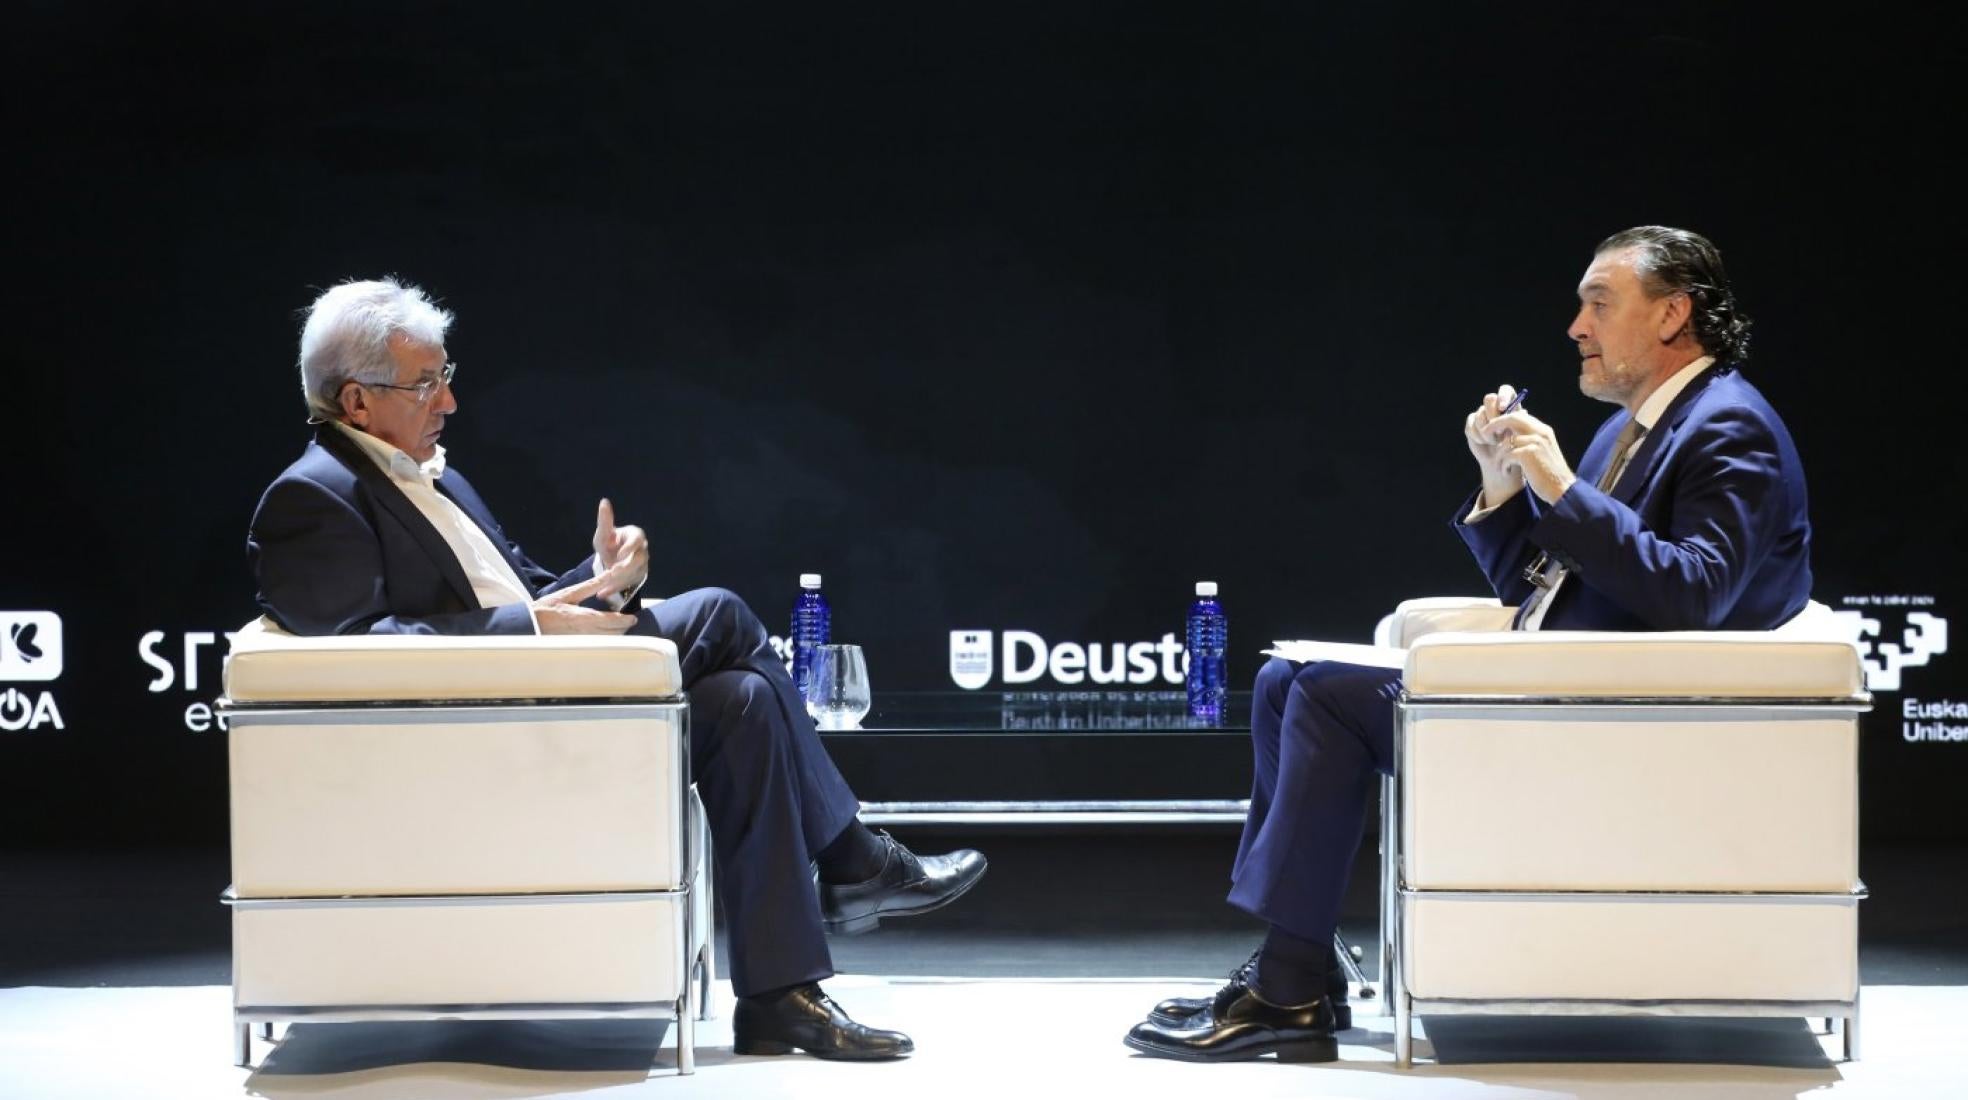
(30, 645)
(1026, 657)
(970, 658)
(30, 652)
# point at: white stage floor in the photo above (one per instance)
(999, 1038)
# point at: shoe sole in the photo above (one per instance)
(1342, 1018)
(1306, 1050)
(872, 921)
(774, 1047)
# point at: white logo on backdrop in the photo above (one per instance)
(782, 648)
(1923, 637)
(30, 651)
(196, 649)
(970, 658)
(19, 711)
(1023, 657)
(30, 645)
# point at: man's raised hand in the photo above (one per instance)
(1533, 452)
(622, 552)
(1501, 477)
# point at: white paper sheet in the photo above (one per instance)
(1376, 656)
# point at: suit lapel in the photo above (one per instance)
(1655, 445)
(391, 498)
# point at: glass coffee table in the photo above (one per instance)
(1046, 758)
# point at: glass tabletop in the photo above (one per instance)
(1048, 711)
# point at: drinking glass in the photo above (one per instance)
(837, 693)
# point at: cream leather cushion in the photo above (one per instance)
(1631, 947)
(455, 800)
(536, 950)
(268, 665)
(1415, 619)
(1548, 799)
(1714, 664)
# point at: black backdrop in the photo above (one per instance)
(1001, 316)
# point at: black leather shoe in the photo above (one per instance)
(907, 884)
(806, 1018)
(1179, 1012)
(1246, 1027)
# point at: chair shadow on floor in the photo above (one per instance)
(560, 1056)
(1785, 1054)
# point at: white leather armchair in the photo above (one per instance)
(463, 828)
(1621, 823)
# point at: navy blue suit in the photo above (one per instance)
(1706, 529)
(337, 548)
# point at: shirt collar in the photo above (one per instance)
(1657, 403)
(391, 459)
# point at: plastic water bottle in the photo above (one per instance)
(810, 628)
(1209, 641)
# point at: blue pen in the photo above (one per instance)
(1514, 402)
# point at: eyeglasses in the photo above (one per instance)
(421, 392)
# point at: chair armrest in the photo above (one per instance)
(1418, 618)
(1614, 664)
(268, 665)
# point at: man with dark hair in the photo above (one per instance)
(1671, 261)
(369, 532)
(1688, 513)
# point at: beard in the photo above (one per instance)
(1613, 382)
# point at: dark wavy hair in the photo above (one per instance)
(1669, 260)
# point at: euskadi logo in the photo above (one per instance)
(30, 651)
(1892, 635)
(30, 645)
(1902, 632)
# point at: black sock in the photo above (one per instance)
(1291, 970)
(856, 855)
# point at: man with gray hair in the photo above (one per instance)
(370, 532)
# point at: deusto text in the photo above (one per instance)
(1026, 657)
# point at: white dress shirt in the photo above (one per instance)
(492, 578)
(1648, 416)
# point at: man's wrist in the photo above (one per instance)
(1561, 484)
(626, 595)
(1498, 492)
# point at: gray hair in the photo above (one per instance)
(347, 338)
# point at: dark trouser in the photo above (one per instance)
(1321, 733)
(772, 794)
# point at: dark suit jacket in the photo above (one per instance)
(337, 548)
(1707, 528)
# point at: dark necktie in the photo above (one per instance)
(1623, 443)
(1544, 574)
